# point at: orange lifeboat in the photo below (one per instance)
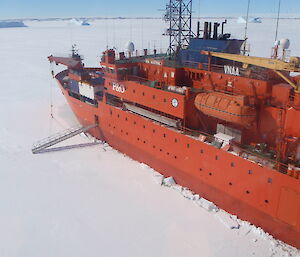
(230, 108)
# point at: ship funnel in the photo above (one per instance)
(205, 33)
(216, 26)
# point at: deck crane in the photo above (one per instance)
(273, 64)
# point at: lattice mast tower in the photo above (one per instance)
(179, 16)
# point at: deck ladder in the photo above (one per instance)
(59, 137)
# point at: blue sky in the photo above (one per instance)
(77, 8)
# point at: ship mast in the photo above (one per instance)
(179, 16)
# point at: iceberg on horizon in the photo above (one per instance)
(250, 20)
(12, 24)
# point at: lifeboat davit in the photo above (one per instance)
(230, 108)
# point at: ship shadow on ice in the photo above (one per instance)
(68, 147)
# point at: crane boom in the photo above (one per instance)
(273, 64)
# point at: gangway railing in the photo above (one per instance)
(59, 137)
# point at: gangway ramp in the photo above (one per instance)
(41, 145)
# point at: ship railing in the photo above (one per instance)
(257, 73)
(141, 80)
(139, 55)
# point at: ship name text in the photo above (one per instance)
(231, 70)
(118, 88)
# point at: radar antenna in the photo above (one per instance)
(179, 16)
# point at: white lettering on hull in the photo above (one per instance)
(118, 88)
(231, 70)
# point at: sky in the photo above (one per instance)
(113, 8)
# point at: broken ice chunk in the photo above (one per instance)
(169, 181)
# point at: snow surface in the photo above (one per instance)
(90, 200)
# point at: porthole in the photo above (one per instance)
(217, 157)
(164, 135)
(266, 201)
(134, 122)
(153, 97)
(270, 180)
(250, 172)
(248, 192)
(175, 157)
(143, 94)
(230, 183)
(153, 130)
(210, 174)
(201, 151)
(175, 140)
(133, 91)
(188, 145)
(200, 169)
(165, 100)
(144, 126)
(232, 164)
(126, 119)
(175, 103)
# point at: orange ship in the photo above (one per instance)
(223, 124)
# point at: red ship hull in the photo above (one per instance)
(255, 193)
